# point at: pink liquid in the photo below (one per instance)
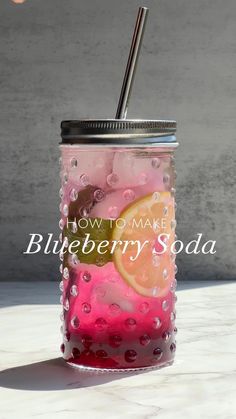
(106, 323)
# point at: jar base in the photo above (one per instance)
(84, 368)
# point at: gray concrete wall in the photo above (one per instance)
(65, 60)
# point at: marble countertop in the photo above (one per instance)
(35, 382)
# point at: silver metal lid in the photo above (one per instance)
(117, 131)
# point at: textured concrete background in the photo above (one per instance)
(64, 60)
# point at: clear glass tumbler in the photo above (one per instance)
(118, 230)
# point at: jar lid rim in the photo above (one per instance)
(84, 130)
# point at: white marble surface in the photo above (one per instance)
(35, 382)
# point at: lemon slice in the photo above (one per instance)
(144, 220)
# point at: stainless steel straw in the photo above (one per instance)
(132, 63)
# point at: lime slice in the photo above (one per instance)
(98, 230)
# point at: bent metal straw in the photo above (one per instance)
(132, 63)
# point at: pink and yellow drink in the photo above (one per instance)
(118, 269)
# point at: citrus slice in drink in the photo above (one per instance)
(141, 257)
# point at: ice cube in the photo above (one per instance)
(135, 169)
(111, 206)
(87, 167)
(116, 201)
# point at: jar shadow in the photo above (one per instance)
(53, 375)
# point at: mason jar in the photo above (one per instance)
(117, 232)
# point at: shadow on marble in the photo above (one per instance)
(52, 375)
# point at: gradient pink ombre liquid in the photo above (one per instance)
(107, 324)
